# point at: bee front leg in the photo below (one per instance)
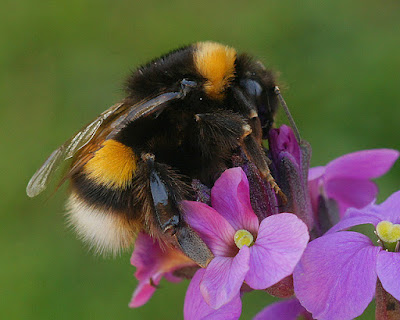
(256, 154)
(167, 190)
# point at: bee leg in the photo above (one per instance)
(256, 154)
(166, 193)
(171, 224)
(217, 135)
(232, 131)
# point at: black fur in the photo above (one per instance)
(192, 138)
(266, 100)
(161, 74)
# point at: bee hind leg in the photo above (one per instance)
(167, 190)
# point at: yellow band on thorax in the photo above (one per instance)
(216, 63)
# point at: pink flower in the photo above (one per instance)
(290, 162)
(261, 254)
(152, 263)
(290, 309)
(197, 309)
(337, 276)
(347, 179)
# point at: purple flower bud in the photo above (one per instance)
(282, 141)
(262, 197)
(291, 161)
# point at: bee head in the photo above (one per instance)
(210, 75)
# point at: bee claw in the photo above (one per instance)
(282, 196)
(270, 179)
(171, 223)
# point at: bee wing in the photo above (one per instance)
(146, 108)
(110, 122)
(41, 178)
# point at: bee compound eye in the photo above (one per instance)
(252, 87)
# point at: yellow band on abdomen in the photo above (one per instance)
(113, 165)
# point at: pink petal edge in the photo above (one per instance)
(224, 277)
(336, 278)
(195, 308)
(230, 196)
(212, 227)
(365, 164)
(281, 241)
(289, 309)
(388, 269)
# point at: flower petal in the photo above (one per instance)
(223, 278)
(283, 140)
(151, 264)
(351, 192)
(213, 228)
(294, 186)
(144, 291)
(388, 269)
(196, 308)
(230, 196)
(283, 310)
(389, 209)
(281, 241)
(336, 276)
(316, 173)
(355, 217)
(314, 190)
(262, 197)
(366, 164)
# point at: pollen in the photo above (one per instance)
(243, 238)
(388, 232)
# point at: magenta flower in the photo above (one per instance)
(290, 161)
(283, 143)
(337, 275)
(197, 309)
(290, 309)
(152, 263)
(347, 179)
(261, 254)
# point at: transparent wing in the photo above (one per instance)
(114, 119)
(41, 178)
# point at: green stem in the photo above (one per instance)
(390, 246)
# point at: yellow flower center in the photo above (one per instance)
(389, 235)
(388, 232)
(243, 238)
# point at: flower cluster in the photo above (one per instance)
(260, 240)
(245, 249)
(348, 263)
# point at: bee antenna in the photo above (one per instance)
(288, 114)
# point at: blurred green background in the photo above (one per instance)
(64, 62)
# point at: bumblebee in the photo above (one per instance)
(184, 116)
